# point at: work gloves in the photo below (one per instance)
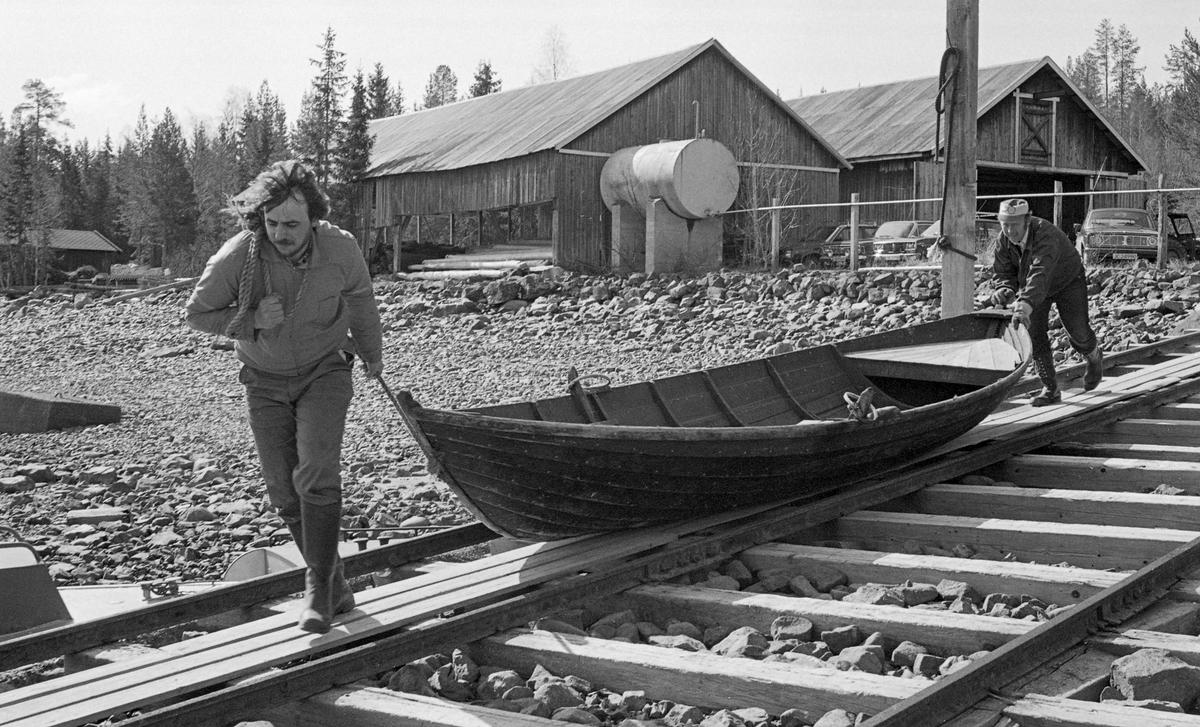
(1002, 297)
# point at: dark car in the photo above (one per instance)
(1128, 233)
(893, 242)
(809, 249)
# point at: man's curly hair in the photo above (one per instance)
(270, 188)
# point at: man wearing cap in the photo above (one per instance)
(1037, 265)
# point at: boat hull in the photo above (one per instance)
(544, 480)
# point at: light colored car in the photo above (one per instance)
(893, 242)
(1129, 234)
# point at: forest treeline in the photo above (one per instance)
(161, 193)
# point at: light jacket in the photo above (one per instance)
(336, 308)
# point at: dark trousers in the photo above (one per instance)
(298, 422)
(1072, 306)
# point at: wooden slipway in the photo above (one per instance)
(1075, 466)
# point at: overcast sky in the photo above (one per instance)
(108, 58)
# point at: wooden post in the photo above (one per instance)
(1162, 225)
(451, 229)
(958, 271)
(1058, 201)
(479, 220)
(418, 230)
(853, 231)
(776, 224)
(395, 247)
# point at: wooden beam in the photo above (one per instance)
(369, 707)
(1095, 507)
(32, 412)
(697, 678)
(1088, 546)
(1160, 452)
(945, 633)
(1051, 584)
(1183, 646)
(1143, 431)
(958, 271)
(1035, 710)
(1093, 473)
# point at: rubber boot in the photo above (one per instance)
(1095, 369)
(1045, 371)
(322, 524)
(343, 595)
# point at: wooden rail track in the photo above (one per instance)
(1070, 522)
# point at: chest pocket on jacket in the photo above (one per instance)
(326, 291)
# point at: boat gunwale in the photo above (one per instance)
(602, 431)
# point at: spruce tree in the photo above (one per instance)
(486, 80)
(441, 89)
(319, 126)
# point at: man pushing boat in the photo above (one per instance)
(1037, 265)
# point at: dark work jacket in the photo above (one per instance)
(1048, 264)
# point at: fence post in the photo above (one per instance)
(776, 224)
(1162, 225)
(853, 231)
(1058, 203)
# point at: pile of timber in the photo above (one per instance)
(496, 263)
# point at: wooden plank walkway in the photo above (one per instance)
(185, 668)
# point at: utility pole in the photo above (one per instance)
(962, 101)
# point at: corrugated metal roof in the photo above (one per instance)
(75, 240)
(525, 120)
(898, 119)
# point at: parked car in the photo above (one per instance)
(809, 250)
(987, 234)
(1129, 233)
(892, 242)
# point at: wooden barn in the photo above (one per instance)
(524, 164)
(75, 248)
(1035, 128)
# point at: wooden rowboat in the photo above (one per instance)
(791, 425)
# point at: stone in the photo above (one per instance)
(616, 619)
(628, 632)
(835, 718)
(1156, 674)
(841, 638)
(1000, 599)
(791, 627)
(951, 590)
(737, 570)
(447, 686)
(556, 696)
(723, 583)
(556, 626)
(499, 683)
(863, 658)
(465, 669)
(927, 664)
(918, 593)
(745, 642)
(682, 714)
(753, 715)
(97, 515)
(802, 587)
(906, 653)
(822, 577)
(792, 718)
(723, 718)
(575, 715)
(684, 628)
(197, 514)
(876, 595)
(410, 680)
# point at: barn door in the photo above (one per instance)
(1035, 132)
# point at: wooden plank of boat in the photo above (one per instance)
(991, 353)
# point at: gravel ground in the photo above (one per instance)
(181, 461)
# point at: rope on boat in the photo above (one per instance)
(606, 382)
(861, 408)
